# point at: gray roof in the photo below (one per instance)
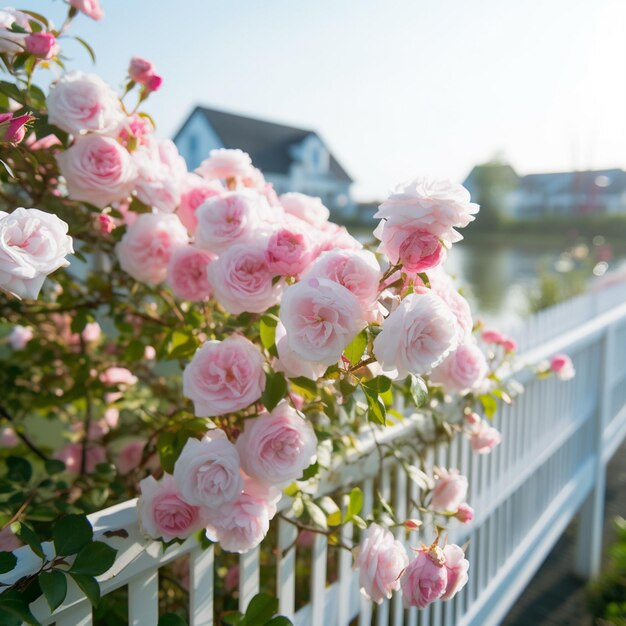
(611, 181)
(269, 144)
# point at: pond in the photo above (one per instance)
(499, 278)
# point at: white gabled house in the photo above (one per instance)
(292, 159)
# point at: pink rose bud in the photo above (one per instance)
(509, 344)
(72, 456)
(91, 8)
(153, 83)
(465, 513)
(8, 437)
(484, 437)
(413, 524)
(118, 376)
(450, 490)
(105, 223)
(492, 336)
(140, 69)
(149, 353)
(41, 45)
(562, 366)
(425, 579)
(473, 418)
(20, 336)
(13, 129)
(456, 567)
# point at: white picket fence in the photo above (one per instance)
(557, 440)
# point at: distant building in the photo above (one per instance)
(292, 159)
(565, 194)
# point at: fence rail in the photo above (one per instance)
(557, 440)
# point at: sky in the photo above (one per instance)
(397, 88)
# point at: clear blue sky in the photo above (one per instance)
(397, 88)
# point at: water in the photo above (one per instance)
(499, 278)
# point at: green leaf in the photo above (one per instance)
(54, 466)
(181, 344)
(380, 384)
(376, 411)
(419, 391)
(311, 471)
(275, 390)
(19, 469)
(54, 587)
(490, 405)
(87, 47)
(89, 586)
(94, 559)
(10, 90)
(71, 533)
(267, 330)
(169, 446)
(354, 350)
(279, 620)
(14, 604)
(233, 618)
(27, 536)
(261, 609)
(355, 504)
(318, 517)
(8, 561)
(304, 387)
(171, 619)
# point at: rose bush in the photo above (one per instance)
(213, 347)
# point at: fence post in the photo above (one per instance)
(591, 515)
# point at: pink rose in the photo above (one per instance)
(356, 270)
(33, 244)
(463, 369)
(8, 437)
(187, 273)
(149, 353)
(42, 45)
(443, 286)
(223, 220)
(224, 376)
(289, 251)
(450, 490)
(20, 336)
(465, 513)
(118, 376)
(417, 250)
(97, 170)
(13, 129)
(456, 566)
(160, 174)
(425, 579)
(226, 164)
(241, 525)
(509, 344)
(242, 281)
(381, 559)
(290, 362)
(148, 245)
(433, 206)
(72, 455)
(140, 69)
(207, 472)
(45, 143)
(195, 190)
(80, 102)
(129, 457)
(305, 207)
(416, 337)
(332, 236)
(484, 437)
(277, 447)
(91, 332)
(163, 514)
(136, 131)
(562, 366)
(321, 318)
(91, 8)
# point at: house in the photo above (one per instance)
(498, 188)
(292, 159)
